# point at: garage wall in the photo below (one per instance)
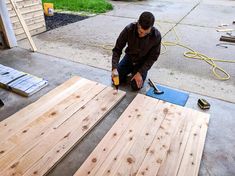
(32, 13)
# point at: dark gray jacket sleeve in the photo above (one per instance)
(151, 57)
(120, 44)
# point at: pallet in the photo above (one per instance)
(19, 82)
(36, 138)
(151, 137)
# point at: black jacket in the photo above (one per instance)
(142, 51)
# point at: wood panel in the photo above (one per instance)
(34, 139)
(31, 11)
(32, 32)
(151, 137)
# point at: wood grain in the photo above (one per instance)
(151, 137)
(34, 139)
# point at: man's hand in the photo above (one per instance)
(114, 72)
(138, 79)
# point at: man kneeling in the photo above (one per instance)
(143, 42)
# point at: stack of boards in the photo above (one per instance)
(151, 137)
(20, 82)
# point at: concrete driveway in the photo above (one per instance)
(90, 42)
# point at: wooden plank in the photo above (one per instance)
(72, 129)
(55, 116)
(143, 147)
(192, 156)
(29, 16)
(93, 163)
(23, 5)
(127, 141)
(165, 114)
(24, 26)
(12, 124)
(176, 150)
(30, 27)
(26, 10)
(89, 119)
(33, 32)
(8, 1)
(39, 19)
(159, 149)
(109, 150)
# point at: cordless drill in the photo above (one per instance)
(115, 79)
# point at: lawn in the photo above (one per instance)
(93, 6)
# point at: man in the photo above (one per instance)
(143, 49)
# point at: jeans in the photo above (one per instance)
(126, 67)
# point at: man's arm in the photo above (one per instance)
(117, 50)
(151, 57)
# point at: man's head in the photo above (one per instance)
(145, 23)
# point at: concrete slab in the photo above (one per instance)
(212, 15)
(90, 42)
(202, 40)
(218, 157)
(163, 10)
(219, 2)
(154, 2)
(193, 75)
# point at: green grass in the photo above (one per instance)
(92, 6)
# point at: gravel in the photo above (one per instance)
(61, 19)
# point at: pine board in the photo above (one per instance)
(151, 137)
(34, 139)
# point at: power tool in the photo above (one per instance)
(115, 79)
(203, 104)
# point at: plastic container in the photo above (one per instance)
(48, 9)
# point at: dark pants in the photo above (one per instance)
(126, 67)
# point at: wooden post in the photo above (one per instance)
(6, 24)
(22, 22)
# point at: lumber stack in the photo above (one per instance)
(34, 139)
(151, 137)
(20, 82)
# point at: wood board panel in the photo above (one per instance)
(52, 126)
(29, 10)
(151, 137)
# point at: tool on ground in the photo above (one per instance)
(170, 95)
(203, 104)
(227, 39)
(1, 103)
(115, 78)
(156, 90)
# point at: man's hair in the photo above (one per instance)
(146, 20)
